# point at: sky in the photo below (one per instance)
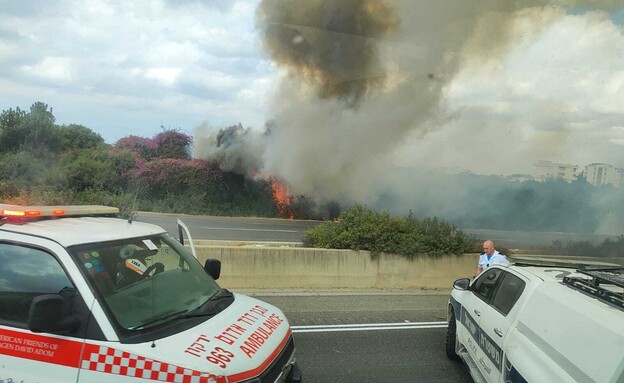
(349, 88)
(122, 68)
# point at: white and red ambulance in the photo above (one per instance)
(91, 298)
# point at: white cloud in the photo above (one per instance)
(166, 76)
(96, 54)
(557, 95)
(51, 69)
(617, 135)
(7, 51)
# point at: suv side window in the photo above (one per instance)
(486, 284)
(25, 273)
(508, 292)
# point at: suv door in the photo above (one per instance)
(495, 323)
(26, 273)
(475, 305)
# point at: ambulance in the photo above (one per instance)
(88, 297)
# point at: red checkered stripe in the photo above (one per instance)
(112, 361)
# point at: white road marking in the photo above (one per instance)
(241, 229)
(367, 327)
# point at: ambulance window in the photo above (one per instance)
(510, 289)
(486, 284)
(25, 274)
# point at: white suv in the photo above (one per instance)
(529, 322)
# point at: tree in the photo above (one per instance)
(75, 136)
(90, 169)
(10, 121)
(40, 114)
(34, 131)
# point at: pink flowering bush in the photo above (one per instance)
(167, 144)
(145, 148)
(173, 144)
(164, 176)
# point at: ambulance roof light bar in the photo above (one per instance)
(16, 213)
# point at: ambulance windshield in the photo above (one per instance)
(145, 282)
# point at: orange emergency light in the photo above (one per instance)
(28, 213)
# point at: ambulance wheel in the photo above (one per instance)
(156, 268)
(451, 337)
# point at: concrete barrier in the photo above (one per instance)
(261, 267)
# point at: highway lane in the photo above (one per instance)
(285, 230)
(535, 239)
(232, 228)
(368, 337)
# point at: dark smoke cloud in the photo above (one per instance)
(332, 44)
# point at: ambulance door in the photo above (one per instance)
(28, 274)
(182, 231)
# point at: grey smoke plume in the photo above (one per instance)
(407, 52)
(361, 76)
(234, 148)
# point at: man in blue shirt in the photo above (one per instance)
(489, 257)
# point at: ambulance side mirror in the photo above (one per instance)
(213, 268)
(46, 314)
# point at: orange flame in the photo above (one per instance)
(281, 197)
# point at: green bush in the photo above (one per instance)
(24, 171)
(360, 228)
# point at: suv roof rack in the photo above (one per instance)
(604, 284)
(559, 262)
(21, 214)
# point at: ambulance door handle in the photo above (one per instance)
(498, 332)
(477, 312)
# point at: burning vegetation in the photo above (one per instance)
(281, 197)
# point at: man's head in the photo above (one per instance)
(488, 247)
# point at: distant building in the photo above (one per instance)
(599, 174)
(619, 177)
(520, 178)
(548, 169)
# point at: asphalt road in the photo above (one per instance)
(284, 230)
(232, 228)
(376, 338)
